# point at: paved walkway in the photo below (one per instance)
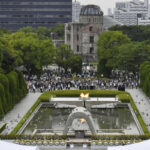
(143, 104)
(15, 115)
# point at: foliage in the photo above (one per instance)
(2, 127)
(11, 57)
(135, 32)
(108, 48)
(44, 32)
(145, 77)
(75, 63)
(116, 51)
(12, 88)
(130, 56)
(4, 81)
(67, 60)
(32, 52)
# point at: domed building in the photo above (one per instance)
(82, 37)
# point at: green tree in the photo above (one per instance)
(33, 52)
(135, 32)
(131, 56)
(75, 64)
(59, 30)
(108, 48)
(63, 57)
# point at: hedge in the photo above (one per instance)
(12, 88)
(145, 77)
(93, 137)
(2, 127)
(123, 96)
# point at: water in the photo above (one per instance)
(118, 120)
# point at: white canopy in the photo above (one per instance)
(11, 146)
(145, 145)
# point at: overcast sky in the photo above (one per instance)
(104, 4)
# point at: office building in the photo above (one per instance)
(129, 12)
(15, 14)
(76, 8)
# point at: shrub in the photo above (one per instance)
(2, 127)
(4, 81)
(13, 86)
(3, 99)
(22, 85)
(145, 77)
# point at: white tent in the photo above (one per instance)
(11, 146)
(145, 145)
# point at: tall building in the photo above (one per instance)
(82, 37)
(76, 8)
(15, 14)
(129, 12)
(110, 14)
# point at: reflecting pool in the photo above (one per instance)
(111, 121)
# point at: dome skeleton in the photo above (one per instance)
(91, 10)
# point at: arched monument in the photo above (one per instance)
(80, 112)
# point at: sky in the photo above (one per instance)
(104, 4)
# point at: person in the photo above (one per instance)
(33, 87)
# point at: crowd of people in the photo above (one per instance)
(58, 80)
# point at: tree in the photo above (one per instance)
(75, 64)
(10, 57)
(67, 60)
(63, 56)
(130, 56)
(33, 51)
(59, 29)
(107, 50)
(135, 32)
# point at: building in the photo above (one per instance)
(143, 21)
(108, 22)
(129, 12)
(15, 14)
(82, 37)
(76, 8)
(110, 14)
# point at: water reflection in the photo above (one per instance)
(55, 119)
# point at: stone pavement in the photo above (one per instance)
(143, 104)
(15, 115)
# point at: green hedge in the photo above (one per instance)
(12, 89)
(93, 137)
(123, 96)
(2, 127)
(145, 77)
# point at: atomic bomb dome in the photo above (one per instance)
(82, 37)
(91, 10)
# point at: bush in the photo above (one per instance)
(4, 81)
(3, 99)
(22, 85)
(2, 127)
(12, 88)
(145, 77)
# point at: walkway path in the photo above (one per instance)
(143, 104)
(19, 110)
